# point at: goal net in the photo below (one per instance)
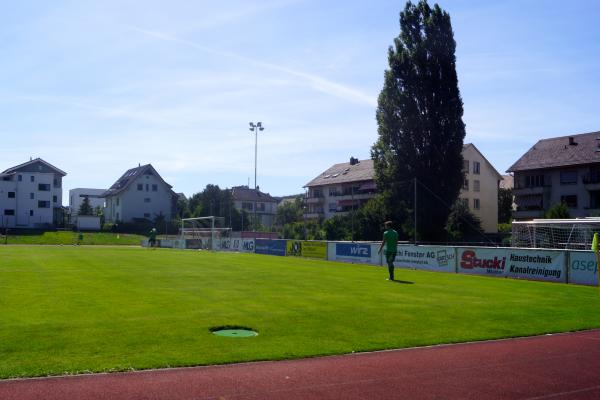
(575, 234)
(203, 232)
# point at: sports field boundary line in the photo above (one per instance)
(226, 365)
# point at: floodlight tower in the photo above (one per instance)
(255, 128)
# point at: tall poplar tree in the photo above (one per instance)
(420, 127)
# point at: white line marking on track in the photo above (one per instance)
(549, 396)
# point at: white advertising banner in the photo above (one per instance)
(583, 268)
(237, 244)
(541, 265)
(354, 252)
(430, 258)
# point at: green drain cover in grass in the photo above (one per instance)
(234, 332)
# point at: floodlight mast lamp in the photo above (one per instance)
(255, 128)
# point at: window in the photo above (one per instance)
(333, 191)
(316, 193)
(140, 186)
(11, 195)
(54, 199)
(43, 204)
(55, 182)
(568, 178)
(44, 187)
(32, 196)
(465, 202)
(146, 215)
(476, 204)
(32, 178)
(466, 184)
(260, 207)
(332, 207)
(476, 167)
(146, 187)
(147, 200)
(155, 188)
(31, 213)
(465, 165)
(569, 200)
(9, 212)
(476, 185)
(20, 178)
(117, 203)
(534, 181)
(247, 206)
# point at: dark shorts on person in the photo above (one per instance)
(390, 256)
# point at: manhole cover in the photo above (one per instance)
(234, 332)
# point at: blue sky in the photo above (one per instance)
(96, 87)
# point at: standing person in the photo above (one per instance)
(152, 237)
(390, 240)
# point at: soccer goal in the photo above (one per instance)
(575, 234)
(203, 232)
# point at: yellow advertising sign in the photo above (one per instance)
(301, 248)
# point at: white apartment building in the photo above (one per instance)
(77, 195)
(139, 194)
(31, 195)
(480, 187)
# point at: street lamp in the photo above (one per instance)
(255, 128)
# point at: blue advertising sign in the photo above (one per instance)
(353, 250)
(270, 247)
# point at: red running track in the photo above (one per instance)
(564, 366)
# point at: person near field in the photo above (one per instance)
(390, 241)
(152, 237)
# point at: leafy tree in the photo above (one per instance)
(462, 223)
(505, 205)
(420, 127)
(85, 208)
(219, 203)
(289, 212)
(558, 211)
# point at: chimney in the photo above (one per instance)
(353, 161)
(572, 141)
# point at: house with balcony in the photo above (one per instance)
(260, 207)
(562, 169)
(347, 186)
(341, 188)
(139, 194)
(31, 195)
(480, 187)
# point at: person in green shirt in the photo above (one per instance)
(390, 240)
(152, 237)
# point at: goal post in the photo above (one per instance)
(203, 232)
(574, 234)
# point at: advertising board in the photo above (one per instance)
(304, 248)
(237, 244)
(430, 258)
(270, 247)
(363, 253)
(583, 268)
(541, 265)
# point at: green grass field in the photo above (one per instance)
(71, 238)
(78, 309)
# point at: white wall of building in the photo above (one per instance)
(35, 197)
(150, 199)
(76, 197)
